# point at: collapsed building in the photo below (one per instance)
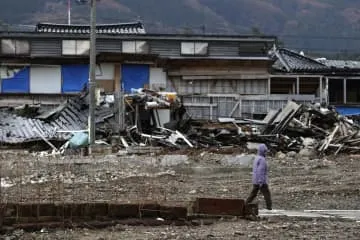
(174, 90)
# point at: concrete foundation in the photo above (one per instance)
(36, 215)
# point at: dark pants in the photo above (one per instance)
(264, 189)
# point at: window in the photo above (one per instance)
(194, 48)
(75, 47)
(135, 47)
(15, 47)
(253, 49)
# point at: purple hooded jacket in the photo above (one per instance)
(260, 167)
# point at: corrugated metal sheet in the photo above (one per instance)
(107, 45)
(165, 48)
(199, 107)
(46, 47)
(223, 49)
(220, 86)
(45, 79)
(74, 116)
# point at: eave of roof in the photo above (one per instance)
(264, 58)
(146, 36)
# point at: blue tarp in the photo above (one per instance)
(348, 111)
(19, 83)
(79, 139)
(74, 77)
(134, 76)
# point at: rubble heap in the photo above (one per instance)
(57, 124)
(292, 128)
(323, 129)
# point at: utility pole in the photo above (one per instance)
(69, 12)
(92, 73)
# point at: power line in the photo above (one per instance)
(319, 37)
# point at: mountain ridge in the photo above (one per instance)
(324, 26)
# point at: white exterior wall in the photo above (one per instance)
(105, 71)
(45, 79)
(157, 78)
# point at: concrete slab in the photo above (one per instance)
(345, 214)
(174, 160)
(244, 161)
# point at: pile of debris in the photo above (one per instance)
(322, 128)
(158, 119)
(57, 124)
(292, 128)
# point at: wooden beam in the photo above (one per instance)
(321, 89)
(213, 71)
(223, 95)
(327, 89)
(117, 77)
(345, 90)
(293, 91)
(294, 76)
(297, 85)
(342, 77)
(226, 76)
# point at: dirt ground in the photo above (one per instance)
(295, 182)
(272, 228)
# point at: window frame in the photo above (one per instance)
(15, 40)
(194, 47)
(76, 47)
(135, 42)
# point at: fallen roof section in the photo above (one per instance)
(68, 117)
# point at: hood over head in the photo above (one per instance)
(262, 150)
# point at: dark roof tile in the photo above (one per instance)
(291, 61)
(342, 64)
(113, 29)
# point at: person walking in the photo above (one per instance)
(260, 177)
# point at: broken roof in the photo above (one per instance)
(290, 61)
(71, 117)
(340, 64)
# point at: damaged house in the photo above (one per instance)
(212, 74)
(49, 64)
(332, 82)
(164, 77)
